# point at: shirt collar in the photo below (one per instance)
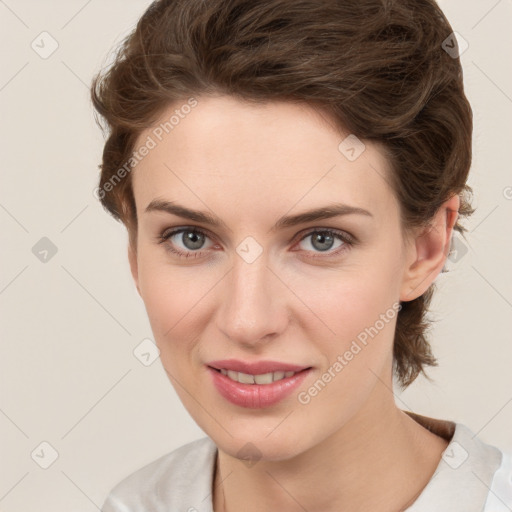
(463, 477)
(467, 465)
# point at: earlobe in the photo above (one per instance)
(428, 252)
(132, 258)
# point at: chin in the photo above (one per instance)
(254, 444)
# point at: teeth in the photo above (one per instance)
(265, 378)
(277, 376)
(245, 378)
(232, 375)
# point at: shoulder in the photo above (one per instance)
(179, 480)
(500, 492)
(472, 475)
(486, 465)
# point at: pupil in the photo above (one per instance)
(323, 239)
(193, 238)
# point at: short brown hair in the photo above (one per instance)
(378, 67)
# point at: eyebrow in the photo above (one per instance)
(324, 212)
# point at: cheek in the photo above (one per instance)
(353, 328)
(166, 287)
(343, 303)
(171, 298)
(362, 312)
(178, 302)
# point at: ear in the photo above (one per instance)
(132, 258)
(427, 252)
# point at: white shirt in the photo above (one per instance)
(471, 477)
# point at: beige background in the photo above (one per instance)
(70, 325)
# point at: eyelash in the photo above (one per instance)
(348, 241)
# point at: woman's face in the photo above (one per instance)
(255, 287)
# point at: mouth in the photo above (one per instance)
(256, 385)
(262, 378)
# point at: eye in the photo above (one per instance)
(193, 240)
(323, 240)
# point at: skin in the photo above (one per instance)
(249, 165)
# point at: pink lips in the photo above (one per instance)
(255, 396)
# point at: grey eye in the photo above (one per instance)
(190, 239)
(321, 241)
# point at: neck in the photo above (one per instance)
(357, 468)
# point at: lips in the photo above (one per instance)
(231, 379)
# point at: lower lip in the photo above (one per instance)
(256, 396)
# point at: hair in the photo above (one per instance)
(377, 67)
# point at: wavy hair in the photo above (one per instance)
(378, 67)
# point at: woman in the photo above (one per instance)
(290, 174)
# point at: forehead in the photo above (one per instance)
(253, 156)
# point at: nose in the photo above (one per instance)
(254, 309)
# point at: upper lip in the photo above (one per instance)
(256, 367)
